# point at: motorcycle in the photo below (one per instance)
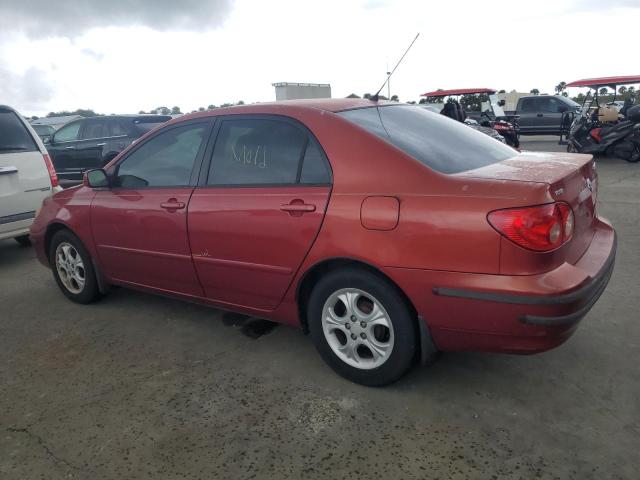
(601, 129)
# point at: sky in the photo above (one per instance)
(122, 56)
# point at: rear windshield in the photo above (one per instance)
(14, 136)
(434, 140)
(148, 123)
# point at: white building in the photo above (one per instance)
(294, 91)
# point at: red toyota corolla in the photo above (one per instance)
(384, 230)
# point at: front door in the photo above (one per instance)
(256, 216)
(140, 223)
(63, 150)
(92, 141)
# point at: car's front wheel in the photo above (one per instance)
(362, 327)
(72, 268)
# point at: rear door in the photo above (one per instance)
(258, 209)
(140, 224)
(24, 179)
(528, 112)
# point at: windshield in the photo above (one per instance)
(434, 140)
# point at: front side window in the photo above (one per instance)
(115, 128)
(436, 141)
(165, 160)
(257, 152)
(14, 136)
(68, 133)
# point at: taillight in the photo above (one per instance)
(52, 171)
(540, 228)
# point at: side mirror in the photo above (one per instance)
(47, 140)
(96, 178)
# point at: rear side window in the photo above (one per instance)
(257, 152)
(166, 160)
(14, 136)
(149, 122)
(436, 141)
(95, 128)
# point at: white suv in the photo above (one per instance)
(27, 175)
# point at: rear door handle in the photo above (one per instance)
(8, 170)
(100, 144)
(298, 206)
(70, 148)
(540, 115)
(173, 204)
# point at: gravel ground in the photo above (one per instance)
(139, 386)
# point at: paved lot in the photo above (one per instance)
(138, 386)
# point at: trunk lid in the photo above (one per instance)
(569, 177)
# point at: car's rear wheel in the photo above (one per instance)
(23, 240)
(72, 268)
(362, 327)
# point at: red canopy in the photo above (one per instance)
(605, 81)
(457, 91)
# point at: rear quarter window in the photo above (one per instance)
(14, 136)
(440, 143)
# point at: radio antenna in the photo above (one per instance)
(376, 97)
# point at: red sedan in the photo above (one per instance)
(384, 230)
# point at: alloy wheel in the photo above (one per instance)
(357, 328)
(70, 267)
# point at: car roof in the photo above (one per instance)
(284, 106)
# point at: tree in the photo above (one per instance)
(211, 107)
(603, 91)
(141, 112)
(367, 96)
(81, 111)
(535, 91)
(411, 102)
(240, 102)
(394, 98)
(622, 90)
(175, 111)
(561, 87)
(502, 91)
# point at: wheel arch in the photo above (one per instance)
(52, 229)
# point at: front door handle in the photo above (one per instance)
(297, 207)
(173, 204)
(540, 115)
(100, 144)
(70, 148)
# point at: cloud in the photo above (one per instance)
(28, 90)
(598, 5)
(41, 18)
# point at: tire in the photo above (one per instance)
(73, 268)
(388, 347)
(23, 240)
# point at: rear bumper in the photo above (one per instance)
(516, 314)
